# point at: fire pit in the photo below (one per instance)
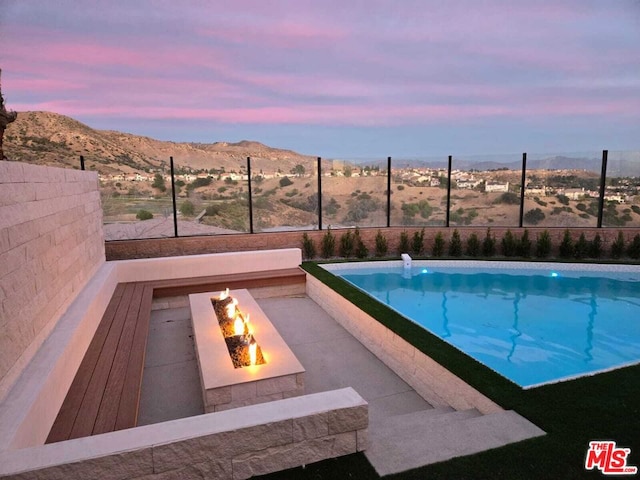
(228, 376)
(237, 331)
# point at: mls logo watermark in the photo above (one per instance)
(609, 459)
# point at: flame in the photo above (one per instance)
(223, 295)
(238, 326)
(231, 310)
(253, 351)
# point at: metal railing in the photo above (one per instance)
(319, 195)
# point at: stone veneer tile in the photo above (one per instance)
(312, 426)
(347, 419)
(123, 466)
(221, 445)
(243, 391)
(273, 385)
(218, 469)
(293, 455)
(362, 439)
(218, 396)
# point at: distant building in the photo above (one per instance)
(536, 191)
(496, 187)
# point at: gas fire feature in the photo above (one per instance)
(237, 331)
(223, 385)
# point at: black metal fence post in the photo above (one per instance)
(173, 197)
(603, 180)
(388, 192)
(448, 191)
(522, 187)
(319, 194)
(81, 162)
(250, 200)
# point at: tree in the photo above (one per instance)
(158, 182)
(5, 119)
(298, 170)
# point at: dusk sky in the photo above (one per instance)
(349, 79)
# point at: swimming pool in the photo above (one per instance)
(533, 323)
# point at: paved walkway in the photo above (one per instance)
(405, 432)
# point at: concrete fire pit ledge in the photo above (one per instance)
(223, 386)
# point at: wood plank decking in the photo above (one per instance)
(104, 395)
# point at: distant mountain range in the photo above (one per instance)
(619, 164)
(47, 138)
(52, 139)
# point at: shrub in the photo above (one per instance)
(328, 244)
(508, 198)
(403, 246)
(636, 209)
(534, 216)
(566, 249)
(543, 244)
(417, 243)
(381, 244)
(346, 244)
(308, 247)
(455, 244)
(473, 245)
(187, 208)
(633, 250)
(400, 187)
(509, 244)
(438, 245)
(581, 248)
(285, 182)
(361, 249)
(489, 244)
(144, 215)
(199, 182)
(563, 199)
(617, 247)
(524, 245)
(595, 247)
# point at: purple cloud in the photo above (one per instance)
(327, 64)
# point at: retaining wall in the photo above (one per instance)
(51, 243)
(164, 247)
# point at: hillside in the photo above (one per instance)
(47, 138)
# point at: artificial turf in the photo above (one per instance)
(573, 413)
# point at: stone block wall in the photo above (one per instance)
(231, 445)
(51, 243)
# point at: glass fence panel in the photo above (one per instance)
(622, 190)
(213, 201)
(485, 190)
(354, 193)
(562, 189)
(284, 195)
(419, 192)
(136, 203)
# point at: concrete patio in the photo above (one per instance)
(405, 431)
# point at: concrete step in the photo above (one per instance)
(421, 438)
(389, 425)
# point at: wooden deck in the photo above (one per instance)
(104, 395)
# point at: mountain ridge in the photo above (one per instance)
(49, 138)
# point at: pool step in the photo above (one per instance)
(412, 440)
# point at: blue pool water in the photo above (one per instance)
(531, 326)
